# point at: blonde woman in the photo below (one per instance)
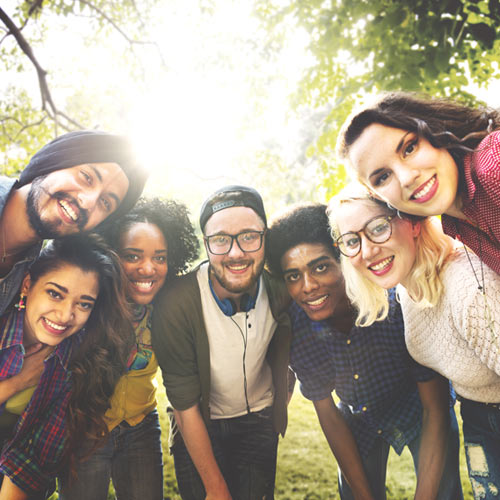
(451, 310)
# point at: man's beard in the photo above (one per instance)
(233, 287)
(47, 229)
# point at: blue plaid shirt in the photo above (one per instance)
(370, 370)
(32, 455)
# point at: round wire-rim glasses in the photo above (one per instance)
(247, 241)
(377, 230)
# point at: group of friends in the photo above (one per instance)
(371, 297)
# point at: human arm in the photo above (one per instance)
(435, 428)
(10, 491)
(197, 441)
(29, 375)
(344, 447)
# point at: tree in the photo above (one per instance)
(364, 46)
(25, 124)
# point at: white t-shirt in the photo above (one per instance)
(226, 336)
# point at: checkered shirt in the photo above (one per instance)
(32, 456)
(481, 203)
(370, 370)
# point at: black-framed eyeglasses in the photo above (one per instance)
(248, 241)
(377, 230)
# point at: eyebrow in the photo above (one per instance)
(65, 290)
(312, 263)
(140, 250)
(99, 177)
(397, 150)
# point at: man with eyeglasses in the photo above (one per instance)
(222, 337)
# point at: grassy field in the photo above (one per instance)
(306, 467)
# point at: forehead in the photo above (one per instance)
(75, 279)
(376, 143)
(353, 215)
(143, 232)
(302, 254)
(234, 220)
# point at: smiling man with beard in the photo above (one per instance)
(71, 185)
(221, 337)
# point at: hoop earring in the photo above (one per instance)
(22, 302)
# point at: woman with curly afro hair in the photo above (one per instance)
(155, 242)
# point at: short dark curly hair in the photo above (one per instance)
(300, 223)
(172, 218)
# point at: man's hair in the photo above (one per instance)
(301, 223)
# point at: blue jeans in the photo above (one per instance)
(375, 465)
(245, 449)
(131, 457)
(481, 426)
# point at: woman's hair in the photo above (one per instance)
(300, 223)
(172, 219)
(433, 247)
(444, 123)
(100, 360)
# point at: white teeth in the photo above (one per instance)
(426, 189)
(145, 285)
(381, 265)
(55, 326)
(317, 302)
(238, 268)
(67, 208)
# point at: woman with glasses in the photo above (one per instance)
(432, 157)
(451, 310)
(155, 242)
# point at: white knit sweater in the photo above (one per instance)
(456, 338)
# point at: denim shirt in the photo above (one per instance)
(11, 283)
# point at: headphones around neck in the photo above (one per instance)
(229, 307)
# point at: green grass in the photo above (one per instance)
(307, 469)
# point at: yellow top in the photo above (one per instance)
(17, 403)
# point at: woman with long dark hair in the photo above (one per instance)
(62, 350)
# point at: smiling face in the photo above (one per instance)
(143, 253)
(58, 304)
(386, 264)
(314, 280)
(406, 171)
(75, 199)
(236, 272)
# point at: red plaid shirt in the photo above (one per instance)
(32, 456)
(481, 203)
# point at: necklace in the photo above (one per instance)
(488, 317)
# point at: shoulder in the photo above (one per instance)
(279, 299)
(486, 157)
(180, 290)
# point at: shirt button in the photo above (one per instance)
(348, 341)
(364, 408)
(356, 376)
(379, 431)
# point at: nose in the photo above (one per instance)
(236, 251)
(309, 283)
(368, 248)
(407, 175)
(87, 198)
(65, 311)
(147, 268)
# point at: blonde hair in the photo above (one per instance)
(424, 283)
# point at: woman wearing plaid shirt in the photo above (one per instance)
(62, 350)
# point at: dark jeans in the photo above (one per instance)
(375, 465)
(245, 449)
(481, 426)
(131, 457)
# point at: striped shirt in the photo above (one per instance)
(32, 455)
(370, 370)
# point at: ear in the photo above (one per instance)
(26, 284)
(415, 228)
